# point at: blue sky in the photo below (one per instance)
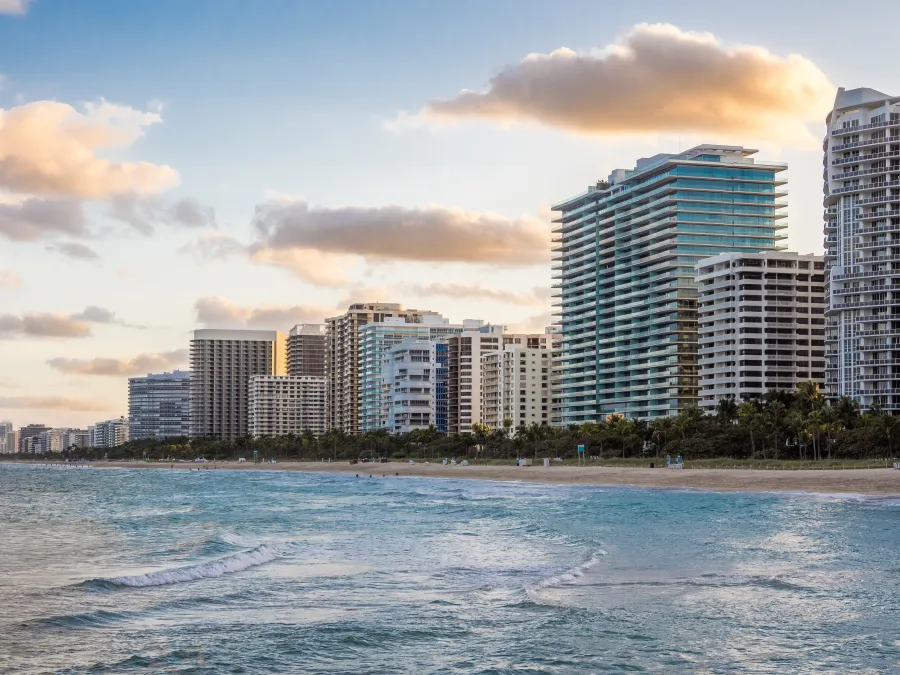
(292, 98)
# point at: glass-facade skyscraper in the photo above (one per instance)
(625, 293)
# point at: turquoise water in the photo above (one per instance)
(125, 571)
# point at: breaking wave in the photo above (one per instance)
(207, 570)
(571, 575)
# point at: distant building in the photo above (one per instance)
(280, 405)
(515, 385)
(108, 433)
(6, 431)
(761, 320)
(28, 432)
(306, 350)
(342, 357)
(159, 405)
(222, 363)
(75, 438)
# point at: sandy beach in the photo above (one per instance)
(840, 481)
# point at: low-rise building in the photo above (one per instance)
(761, 323)
(280, 405)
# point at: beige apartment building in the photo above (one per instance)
(516, 387)
(286, 404)
(761, 323)
(222, 362)
(342, 357)
(464, 375)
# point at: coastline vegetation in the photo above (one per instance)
(797, 429)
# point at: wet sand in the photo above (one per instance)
(838, 481)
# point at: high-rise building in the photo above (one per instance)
(6, 430)
(108, 433)
(862, 241)
(375, 341)
(409, 378)
(28, 432)
(12, 442)
(623, 261)
(286, 404)
(762, 324)
(222, 363)
(515, 385)
(159, 405)
(342, 357)
(75, 438)
(556, 416)
(464, 384)
(306, 350)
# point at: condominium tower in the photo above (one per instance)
(159, 405)
(306, 350)
(286, 404)
(222, 363)
(862, 240)
(762, 324)
(624, 253)
(342, 358)
(515, 387)
(8, 443)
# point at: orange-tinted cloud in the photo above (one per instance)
(50, 148)
(656, 78)
(138, 365)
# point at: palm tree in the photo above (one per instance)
(748, 412)
(796, 422)
(662, 430)
(809, 396)
(727, 410)
(847, 411)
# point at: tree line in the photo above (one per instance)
(781, 425)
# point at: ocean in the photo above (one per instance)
(161, 571)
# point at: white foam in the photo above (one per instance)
(207, 570)
(571, 575)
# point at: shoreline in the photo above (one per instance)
(867, 482)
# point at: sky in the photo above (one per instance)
(170, 165)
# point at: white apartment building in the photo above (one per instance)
(409, 380)
(75, 438)
(342, 349)
(761, 320)
(862, 240)
(286, 404)
(108, 434)
(464, 383)
(375, 342)
(222, 363)
(516, 387)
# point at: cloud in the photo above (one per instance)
(43, 325)
(17, 7)
(431, 234)
(538, 296)
(656, 78)
(49, 403)
(50, 148)
(74, 250)
(317, 268)
(532, 324)
(144, 213)
(139, 365)
(35, 218)
(10, 279)
(218, 312)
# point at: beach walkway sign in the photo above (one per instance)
(580, 453)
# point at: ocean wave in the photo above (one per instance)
(571, 575)
(206, 570)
